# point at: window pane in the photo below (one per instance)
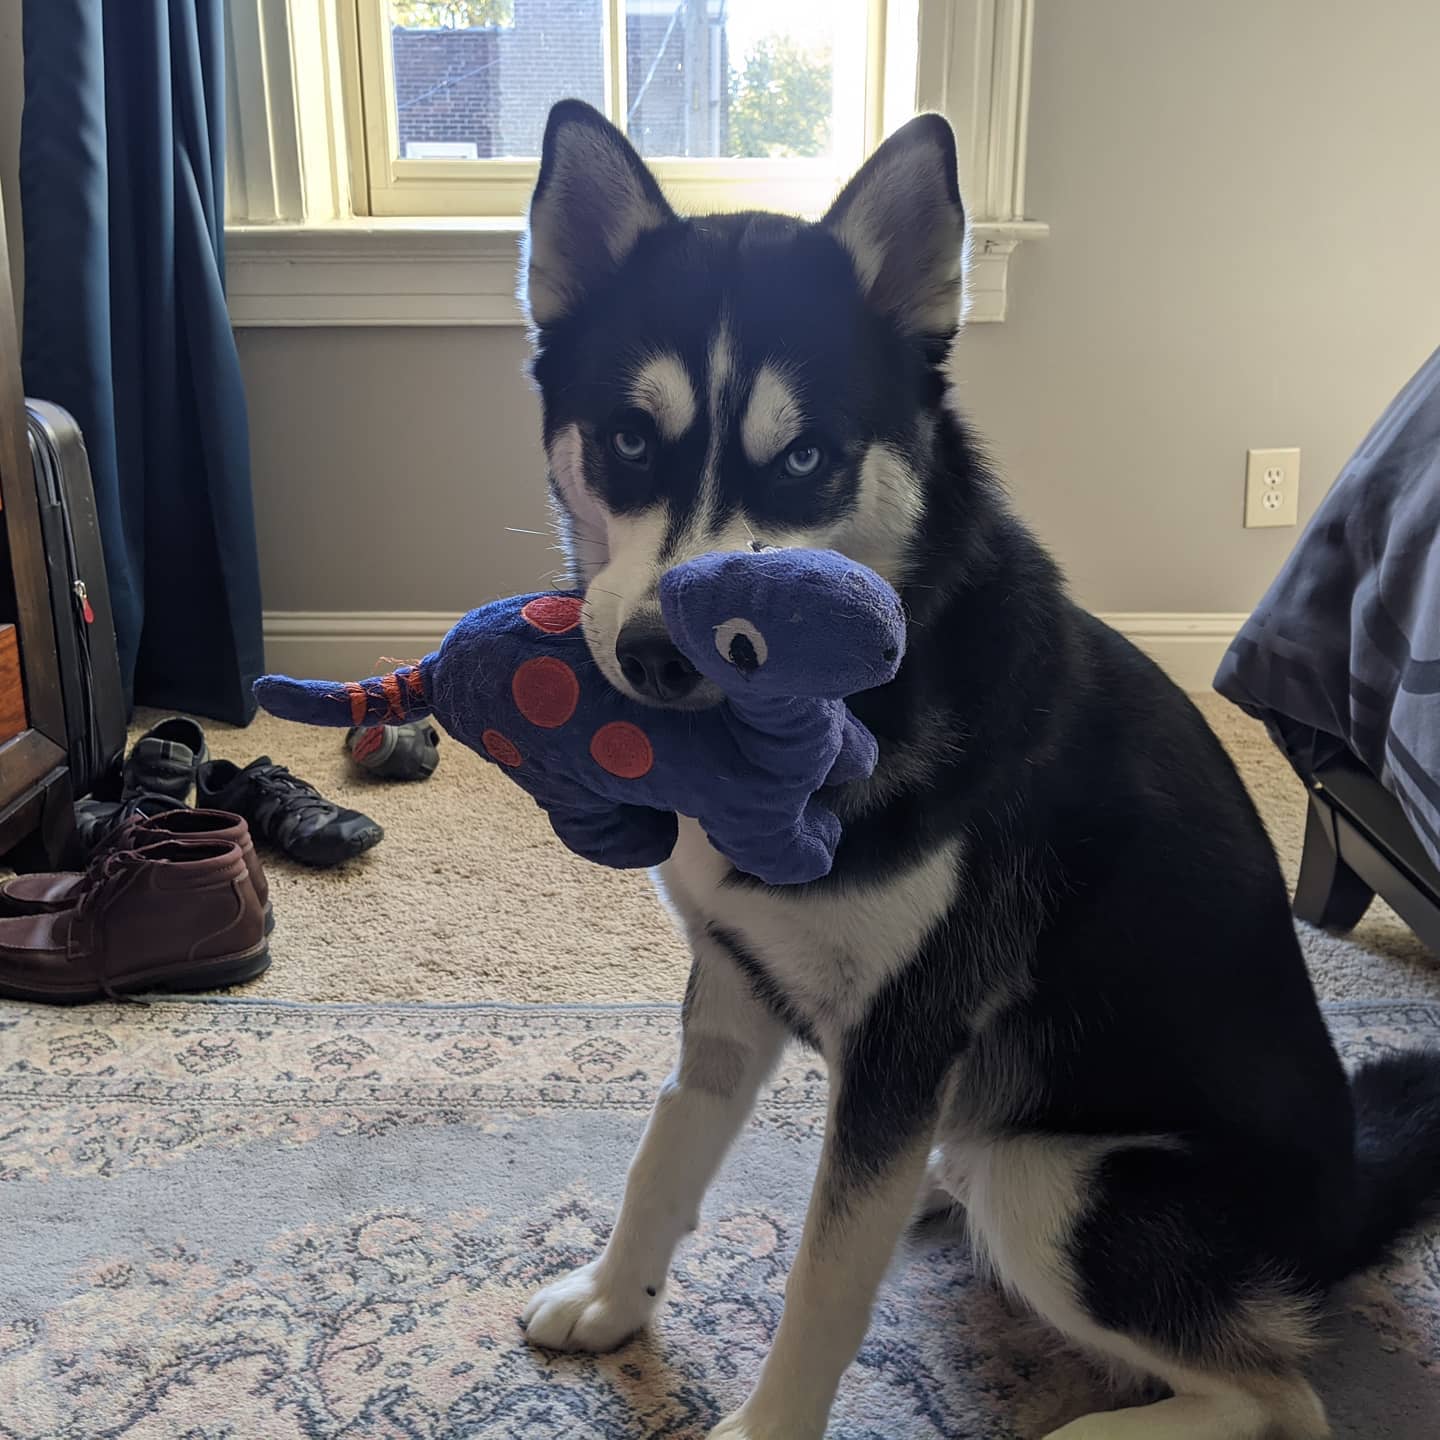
(474, 79)
(738, 77)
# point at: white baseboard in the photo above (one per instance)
(348, 646)
(1187, 646)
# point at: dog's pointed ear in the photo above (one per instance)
(902, 223)
(594, 199)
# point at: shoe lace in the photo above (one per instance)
(299, 796)
(102, 883)
(127, 821)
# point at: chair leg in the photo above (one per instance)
(1329, 893)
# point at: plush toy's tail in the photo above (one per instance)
(381, 700)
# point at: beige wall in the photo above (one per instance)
(1245, 202)
(388, 465)
(1245, 206)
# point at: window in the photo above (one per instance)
(734, 102)
(370, 183)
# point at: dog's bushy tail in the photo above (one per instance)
(1397, 1147)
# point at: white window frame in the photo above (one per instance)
(301, 252)
(443, 149)
(287, 160)
(404, 187)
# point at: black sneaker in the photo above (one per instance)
(285, 811)
(395, 752)
(97, 820)
(164, 759)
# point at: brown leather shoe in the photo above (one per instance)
(50, 891)
(177, 915)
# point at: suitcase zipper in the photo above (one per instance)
(84, 597)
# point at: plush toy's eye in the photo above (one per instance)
(631, 446)
(802, 461)
(742, 645)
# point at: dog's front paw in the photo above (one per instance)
(585, 1311)
(732, 1427)
(744, 1426)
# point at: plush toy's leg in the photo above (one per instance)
(858, 755)
(791, 855)
(625, 837)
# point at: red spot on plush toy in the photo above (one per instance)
(623, 749)
(546, 691)
(500, 748)
(554, 614)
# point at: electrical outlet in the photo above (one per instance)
(1272, 488)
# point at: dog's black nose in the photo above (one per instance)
(652, 665)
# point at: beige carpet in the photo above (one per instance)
(470, 897)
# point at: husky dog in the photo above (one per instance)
(1053, 973)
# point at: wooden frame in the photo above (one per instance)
(1358, 844)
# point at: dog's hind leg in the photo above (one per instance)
(939, 1195)
(1281, 1407)
(1142, 1253)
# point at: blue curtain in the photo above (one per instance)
(123, 193)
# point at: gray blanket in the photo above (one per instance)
(1344, 650)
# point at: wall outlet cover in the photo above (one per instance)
(1272, 488)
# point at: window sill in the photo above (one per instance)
(460, 272)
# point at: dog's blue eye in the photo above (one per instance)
(630, 446)
(803, 460)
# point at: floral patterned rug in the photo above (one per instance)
(237, 1220)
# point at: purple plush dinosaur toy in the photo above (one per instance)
(784, 635)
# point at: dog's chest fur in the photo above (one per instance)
(827, 952)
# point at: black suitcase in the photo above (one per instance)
(79, 599)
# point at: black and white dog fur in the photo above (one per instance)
(1053, 973)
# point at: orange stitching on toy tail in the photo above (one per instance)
(415, 684)
(394, 698)
(359, 702)
(396, 662)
